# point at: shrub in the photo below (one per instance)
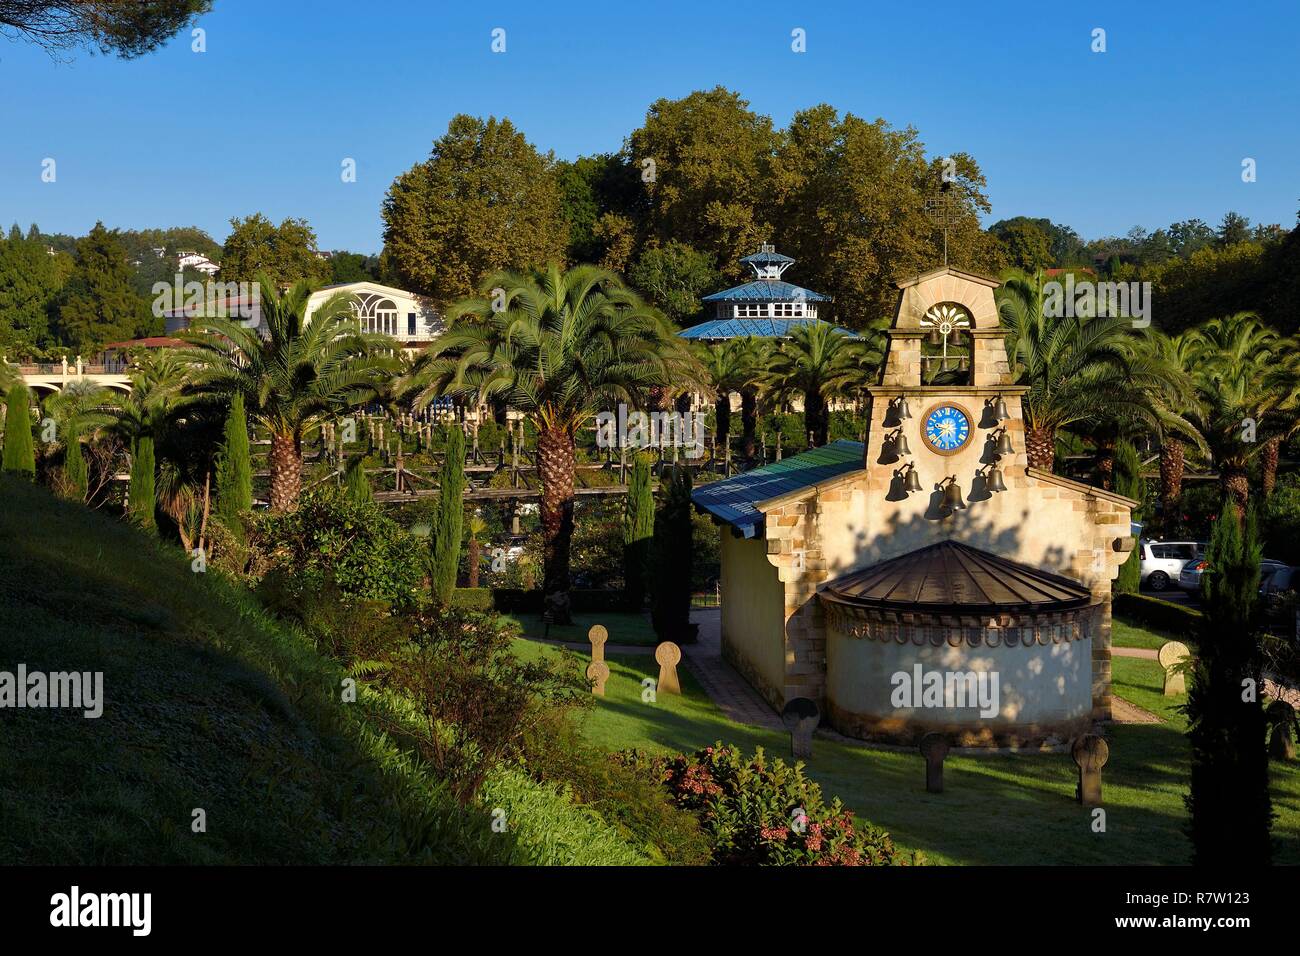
(19, 451)
(75, 476)
(634, 803)
(638, 531)
(671, 606)
(1129, 482)
(459, 668)
(333, 542)
(472, 599)
(545, 828)
(1158, 614)
(445, 537)
(234, 469)
(355, 482)
(141, 488)
(765, 812)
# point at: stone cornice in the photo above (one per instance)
(1091, 491)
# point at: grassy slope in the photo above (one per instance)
(210, 704)
(996, 809)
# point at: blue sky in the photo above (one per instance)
(1152, 130)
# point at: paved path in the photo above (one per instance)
(720, 681)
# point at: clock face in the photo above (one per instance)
(946, 428)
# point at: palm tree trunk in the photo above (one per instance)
(1106, 461)
(748, 422)
(286, 471)
(1171, 477)
(722, 418)
(555, 458)
(473, 561)
(815, 418)
(1040, 448)
(1268, 455)
(1234, 484)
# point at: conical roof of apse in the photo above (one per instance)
(954, 578)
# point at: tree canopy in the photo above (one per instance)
(108, 26)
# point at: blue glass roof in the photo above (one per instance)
(768, 259)
(758, 328)
(733, 500)
(767, 290)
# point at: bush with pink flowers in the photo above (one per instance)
(762, 811)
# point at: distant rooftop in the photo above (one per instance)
(734, 500)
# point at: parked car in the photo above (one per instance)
(1274, 576)
(1163, 561)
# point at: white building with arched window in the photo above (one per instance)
(407, 317)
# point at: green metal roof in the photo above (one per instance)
(733, 500)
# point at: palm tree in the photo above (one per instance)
(1173, 398)
(560, 347)
(1282, 399)
(291, 372)
(1080, 370)
(817, 363)
(729, 367)
(1235, 358)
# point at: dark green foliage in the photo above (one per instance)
(671, 607)
(141, 489)
(448, 520)
(638, 531)
(763, 812)
(1129, 482)
(19, 452)
(355, 482)
(1229, 802)
(100, 304)
(234, 467)
(75, 474)
(458, 667)
(1160, 615)
(472, 599)
(333, 542)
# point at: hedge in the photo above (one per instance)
(517, 600)
(1159, 614)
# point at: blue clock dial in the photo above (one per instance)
(946, 428)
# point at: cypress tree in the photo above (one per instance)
(19, 451)
(75, 476)
(638, 531)
(1129, 482)
(355, 483)
(141, 489)
(444, 538)
(671, 590)
(1229, 805)
(234, 468)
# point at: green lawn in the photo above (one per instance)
(996, 808)
(623, 628)
(1126, 633)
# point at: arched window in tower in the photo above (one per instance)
(947, 346)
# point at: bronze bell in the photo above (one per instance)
(995, 481)
(952, 497)
(904, 413)
(912, 482)
(934, 338)
(900, 446)
(1000, 410)
(1004, 444)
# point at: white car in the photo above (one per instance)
(1163, 561)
